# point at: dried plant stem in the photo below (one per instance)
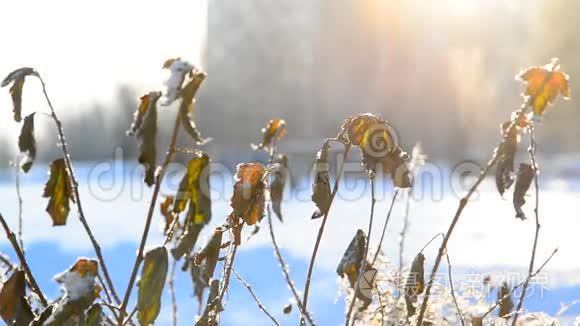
(74, 186)
(532, 152)
(459, 313)
(19, 196)
(12, 238)
(403, 234)
(171, 287)
(227, 275)
(285, 271)
(385, 226)
(368, 242)
(321, 229)
(462, 203)
(152, 206)
(528, 278)
(260, 304)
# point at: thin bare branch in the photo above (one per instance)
(459, 313)
(77, 197)
(528, 278)
(532, 152)
(321, 229)
(260, 304)
(12, 238)
(171, 288)
(19, 197)
(285, 271)
(385, 225)
(152, 207)
(364, 262)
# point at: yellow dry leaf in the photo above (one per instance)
(58, 189)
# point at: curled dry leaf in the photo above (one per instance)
(277, 184)
(151, 284)
(27, 143)
(525, 176)
(271, 134)
(199, 282)
(14, 308)
(352, 259)
(287, 309)
(504, 173)
(210, 315)
(186, 107)
(415, 283)
(187, 240)
(207, 258)
(506, 305)
(544, 84)
(17, 79)
(178, 69)
(145, 128)
(248, 198)
(58, 189)
(321, 187)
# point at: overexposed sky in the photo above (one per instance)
(84, 49)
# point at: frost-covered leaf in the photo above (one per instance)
(27, 143)
(321, 187)
(151, 284)
(248, 198)
(415, 283)
(14, 308)
(277, 184)
(506, 305)
(58, 189)
(524, 179)
(194, 190)
(17, 78)
(544, 84)
(80, 291)
(207, 258)
(271, 134)
(186, 107)
(145, 128)
(352, 259)
(178, 69)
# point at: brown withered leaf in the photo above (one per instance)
(506, 305)
(395, 163)
(151, 284)
(506, 152)
(351, 261)
(27, 143)
(199, 282)
(17, 78)
(415, 283)
(194, 190)
(14, 308)
(524, 179)
(210, 315)
(186, 108)
(321, 187)
(144, 127)
(207, 258)
(58, 189)
(357, 128)
(272, 133)
(277, 184)
(544, 84)
(287, 309)
(248, 199)
(165, 208)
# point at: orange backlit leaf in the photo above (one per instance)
(272, 133)
(248, 198)
(544, 84)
